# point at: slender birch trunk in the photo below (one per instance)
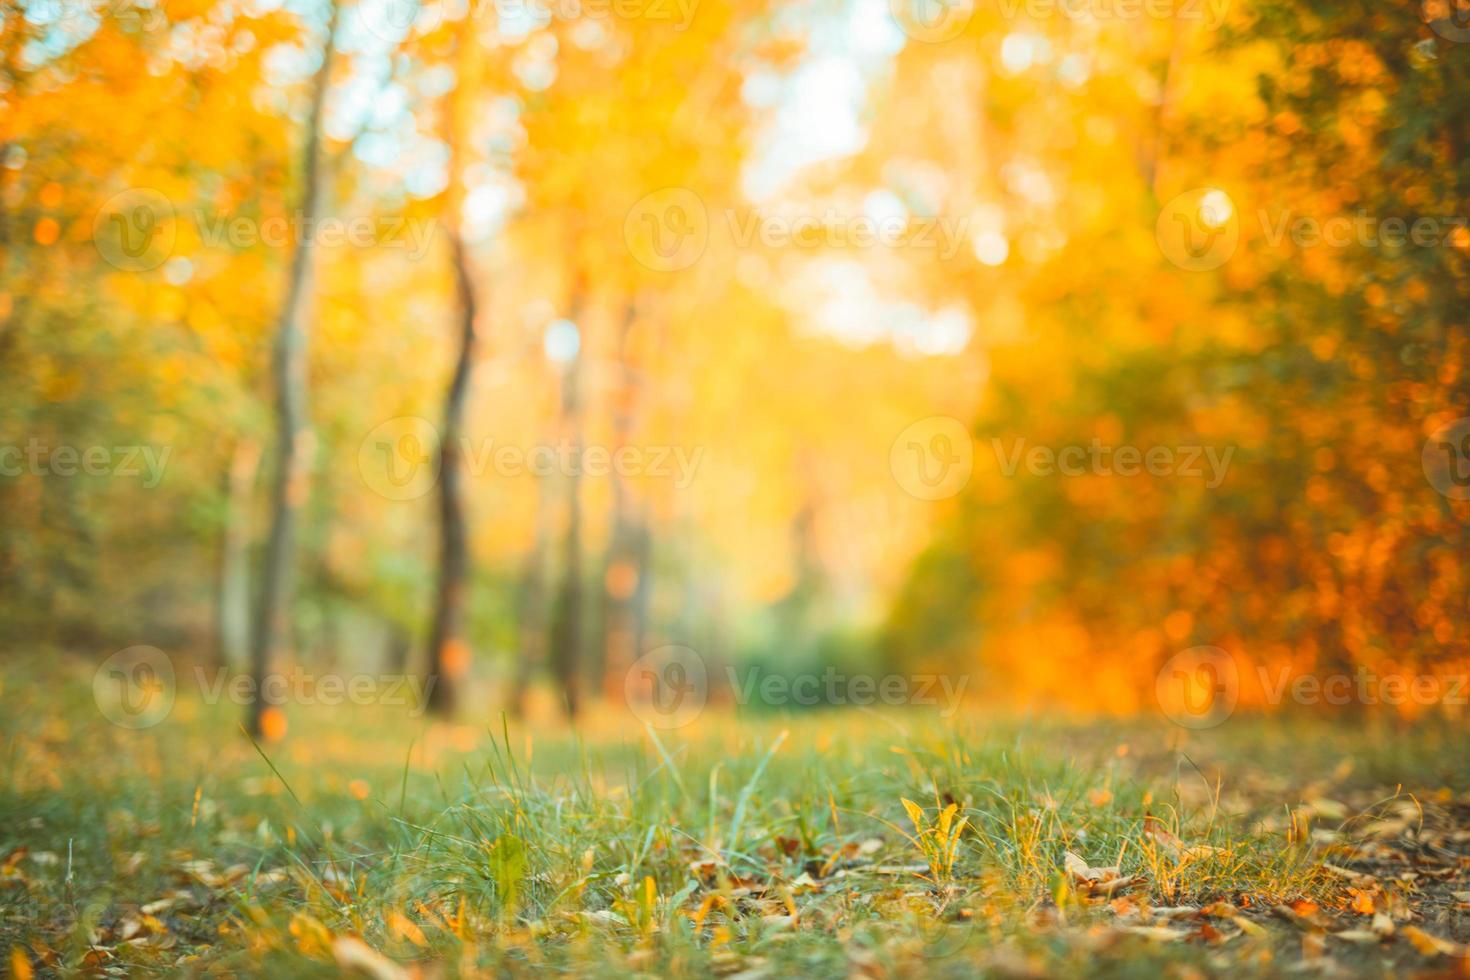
(295, 441)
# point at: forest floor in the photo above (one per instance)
(840, 843)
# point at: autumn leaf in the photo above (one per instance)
(1362, 902)
(915, 812)
(20, 964)
(1431, 945)
(401, 926)
(508, 869)
(353, 954)
(1096, 882)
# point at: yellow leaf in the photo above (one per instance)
(916, 812)
(312, 937)
(401, 926)
(20, 964)
(1432, 945)
(1362, 902)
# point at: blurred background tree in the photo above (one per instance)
(505, 159)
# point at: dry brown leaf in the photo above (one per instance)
(1384, 828)
(1431, 945)
(1300, 914)
(1177, 912)
(1112, 886)
(805, 884)
(1076, 867)
(1079, 870)
(352, 953)
(1096, 882)
(705, 869)
(167, 902)
(12, 858)
(1156, 933)
(1154, 830)
(1209, 934)
(1348, 873)
(1362, 901)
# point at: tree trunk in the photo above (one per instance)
(566, 637)
(532, 606)
(622, 571)
(396, 644)
(566, 627)
(294, 438)
(448, 651)
(643, 558)
(232, 612)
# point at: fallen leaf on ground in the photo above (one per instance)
(1431, 945)
(1154, 830)
(1177, 912)
(1156, 933)
(1362, 901)
(1101, 882)
(352, 953)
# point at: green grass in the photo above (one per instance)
(777, 846)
